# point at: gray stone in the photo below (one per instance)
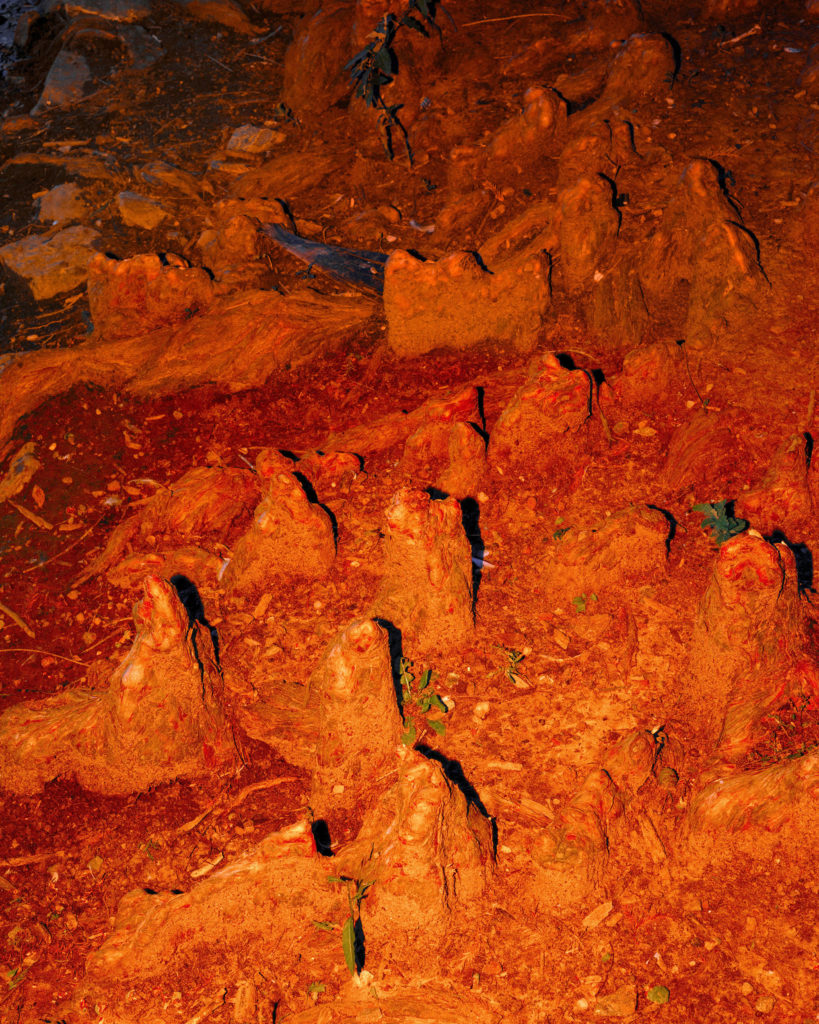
(65, 83)
(251, 139)
(52, 264)
(62, 204)
(139, 211)
(145, 50)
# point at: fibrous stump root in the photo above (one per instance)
(290, 535)
(160, 718)
(426, 591)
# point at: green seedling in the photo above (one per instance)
(717, 519)
(348, 929)
(561, 531)
(375, 67)
(510, 669)
(579, 602)
(421, 697)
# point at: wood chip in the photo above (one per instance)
(560, 638)
(598, 915)
(199, 872)
(32, 517)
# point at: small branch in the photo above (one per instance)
(32, 858)
(36, 650)
(514, 17)
(109, 636)
(4, 608)
(32, 516)
(65, 551)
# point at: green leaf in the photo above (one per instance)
(414, 23)
(424, 681)
(348, 944)
(561, 532)
(383, 60)
(408, 737)
(436, 702)
(659, 994)
(438, 727)
(423, 704)
(316, 987)
(325, 926)
(718, 522)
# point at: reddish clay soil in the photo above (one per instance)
(566, 464)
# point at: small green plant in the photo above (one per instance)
(422, 698)
(581, 600)
(719, 520)
(510, 669)
(349, 936)
(376, 66)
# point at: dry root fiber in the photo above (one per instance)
(290, 535)
(619, 551)
(425, 849)
(749, 616)
(160, 718)
(701, 243)
(448, 451)
(238, 343)
(457, 302)
(359, 723)
(751, 641)
(134, 296)
(205, 502)
(238, 908)
(540, 429)
(574, 849)
(428, 849)
(426, 591)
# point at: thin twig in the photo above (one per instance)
(36, 650)
(32, 858)
(4, 608)
(110, 635)
(65, 551)
(514, 17)
(215, 61)
(703, 403)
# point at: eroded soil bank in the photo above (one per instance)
(407, 607)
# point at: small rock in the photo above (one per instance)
(620, 1003)
(51, 264)
(139, 211)
(251, 139)
(62, 204)
(765, 1004)
(65, 83)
